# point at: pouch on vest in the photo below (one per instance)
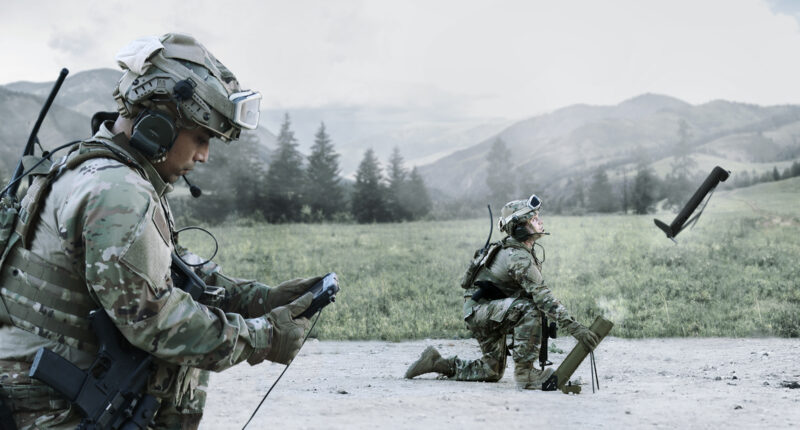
(9, 213)
(479, 260)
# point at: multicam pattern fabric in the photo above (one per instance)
(109, 224)
(516, 273)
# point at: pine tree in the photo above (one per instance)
(625, 192)
(579, 197)
(678, 185)
(775, 175)
(643, 196)
(369, 195)
(601, 196)
(246, 170)
(396, 178)
(501, 186)
(285, 178)
(414, 196)
(323, 192)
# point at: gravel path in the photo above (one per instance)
(647, 383)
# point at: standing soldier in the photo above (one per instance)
(96, 232)
(505, 293)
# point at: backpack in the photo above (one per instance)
(482, 257)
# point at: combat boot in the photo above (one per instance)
(431, 361)
(529, 378)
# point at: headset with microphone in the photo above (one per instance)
(154, 132)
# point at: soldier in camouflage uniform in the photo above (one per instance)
(96, 232)
(507, 294)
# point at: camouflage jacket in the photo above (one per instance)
(518, 274)
(109, 223)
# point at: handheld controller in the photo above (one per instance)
(324, 294)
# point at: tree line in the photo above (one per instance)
(292, 187)
(638, 194)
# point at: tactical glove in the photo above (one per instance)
(287, 332)
(288, 291)
(586, 337)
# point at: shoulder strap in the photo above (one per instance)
(40, 188)
(491, 253)
(507, 244)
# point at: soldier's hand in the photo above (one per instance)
(586, 337)
(288, 291)
(287, 330)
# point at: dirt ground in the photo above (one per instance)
(649, 383)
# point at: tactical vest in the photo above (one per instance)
(37, 296)
(482, 258)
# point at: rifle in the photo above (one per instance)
(548, 332)
(111, 393)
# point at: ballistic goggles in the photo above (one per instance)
(246, 109)
(534, 202)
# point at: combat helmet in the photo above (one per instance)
(516, 213)
(173, 82)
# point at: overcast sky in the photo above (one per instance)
(479, 59)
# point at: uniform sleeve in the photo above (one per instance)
(127, 261)
(242, 296)
(523, 271)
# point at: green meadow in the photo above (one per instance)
(735, 274)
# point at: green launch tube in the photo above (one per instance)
(601, 327)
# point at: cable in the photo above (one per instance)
(544, 254)
(216, 244)
(47, 157)
(695, 218)
(284, 371)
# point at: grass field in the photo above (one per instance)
(735, 274)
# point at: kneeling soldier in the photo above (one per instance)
(505, 293)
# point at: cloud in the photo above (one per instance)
(503, 58)
(74, 43)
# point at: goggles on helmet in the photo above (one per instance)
(534, 202)
(246, 109)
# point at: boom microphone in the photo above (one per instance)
(194, 189)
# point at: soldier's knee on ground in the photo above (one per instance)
(496, 369)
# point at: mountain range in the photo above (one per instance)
(548, 151)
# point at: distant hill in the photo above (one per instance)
(85, 92)
(19, 112)
(778, 200)
(573, 142)
(354, 129)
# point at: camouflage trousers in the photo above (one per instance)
(36, 406)
(490, 322)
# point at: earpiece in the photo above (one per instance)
(520, 232)
(153, 134)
